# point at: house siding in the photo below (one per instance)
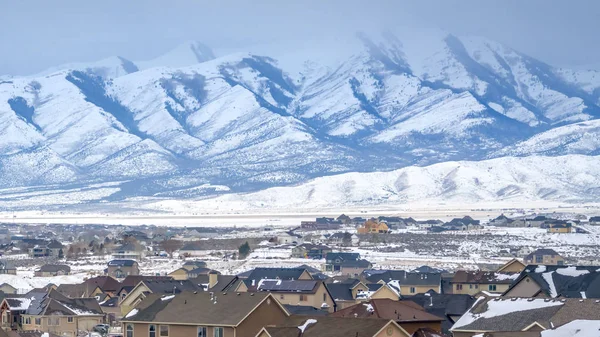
(82, 323)
(177, 330)
(314, 300)
(267, 313)
(385, 292)
(525, 288)
(474, 288)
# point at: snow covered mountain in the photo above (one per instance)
(188, 119)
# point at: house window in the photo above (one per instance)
(38, 321)
(477, 286)
(413, 290)
(459, 287)
(303, 298)
(492, 287)
(69, 319)
(324, 297)
(202, 331)
(217, 332)
(129, 330)
(152, 330)
(539, 259)
(560, 263)
(164, 331)
(470, 286)
(27, 320)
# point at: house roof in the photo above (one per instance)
(15, 304)
(517, 314)
(444, 305)
(54, 245)
(595, 218)
(273, 273)
(356, 264)
(198, 308)
(327, 326)
(484, 277)
(399, 311)
(304, 310)
(171, 286)
(56, 303)
(288, 286)
(122, 263)
(564, 281)
(343, 256)
(133, 280)
(7, 265)
(111, 302)
(509, 263)
(53, 268)
(224, 282)
(106, 283)
(428, 269)
(341, 291)
(403, 277)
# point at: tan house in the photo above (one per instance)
(324, 326)
(122, 268)
(187, 274)
(512, 266)
(471, 283)
(557, 281)
(408, 283)
(7, 288)
(145, 287)
(49, 270)
(352, 291)
(544, 256)
(203, 314)
(311, 293)
(61, 315)
(373, 226)
(409, 315)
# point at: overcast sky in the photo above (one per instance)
(35, 35)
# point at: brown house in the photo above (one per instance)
(122, 268)
(48, 270)
(203, 314)
(409, 315)
(544, 256)
(302, 326)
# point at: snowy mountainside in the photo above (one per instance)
(187, 119)
(564, 178)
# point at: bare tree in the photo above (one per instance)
(171, 246)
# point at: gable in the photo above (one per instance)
(513, 266)
(526, 287)
(134, 294)
(305, 276)
(392, 329)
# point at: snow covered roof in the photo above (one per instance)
(564, 281)
(518, 314)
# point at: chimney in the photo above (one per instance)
(213, 278)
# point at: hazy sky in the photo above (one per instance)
(35, 35)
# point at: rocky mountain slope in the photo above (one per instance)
(187, 119)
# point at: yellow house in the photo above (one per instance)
(311, 293)
(471, 283)
(373, 226)
(562, 227)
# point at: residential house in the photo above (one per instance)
(373, 226)
(316, 274)
(51, 249)
(191, 249)
(310, 251)
(544, 256)
(321, 224)
(556, 281)
(449, 306)
(395, 222)
(7, 267)
(185, 274)
(79, 290)
(353, 291)
(595, 220)
(428, 224)
(203, 314)
(289, 237)
(146, 287)
(52, 270)
(406, 283)
(7, 288)
(523, 316)
(61, 315)
(193, 264)
(559, 227)
(11, 310)
(258, 274)
(343, 239)
(128, 251)
(473, 282)
(334, 260)
(122, 268)
(538, 221)
(504, 221)
(298, 292)
(355, 267)
(110, 306)
(303, 326)
(462, 224)
(512, 266)
(409, 315)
